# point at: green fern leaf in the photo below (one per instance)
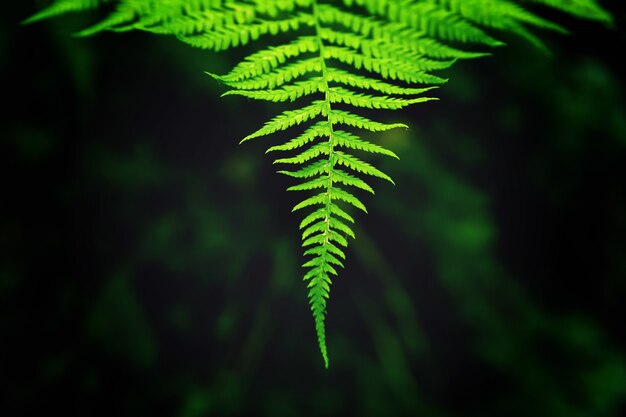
(342, 95)
(342, 177)
(354, 120)
(62, 7)
(287, 93)
(357, 165)
(311, 170)
(337, 56)
(319, 129)
(586, 9)
(355, 80)
(288, 119)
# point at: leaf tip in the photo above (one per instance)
(29, 20)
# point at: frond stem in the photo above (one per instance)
(329, 166)
(327, 105)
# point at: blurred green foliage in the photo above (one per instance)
(149, 267)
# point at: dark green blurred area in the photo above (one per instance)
(149, 266)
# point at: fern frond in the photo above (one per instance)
(339, 56)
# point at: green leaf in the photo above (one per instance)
(351, 119)
(342, 95)
(339, 194)
(316, 199)
(356, 164)
(350, 141)
(288, 119)
(374, 54)
(316, 130)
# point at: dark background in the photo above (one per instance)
(150, 266)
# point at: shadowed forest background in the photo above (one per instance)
(150, 266)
